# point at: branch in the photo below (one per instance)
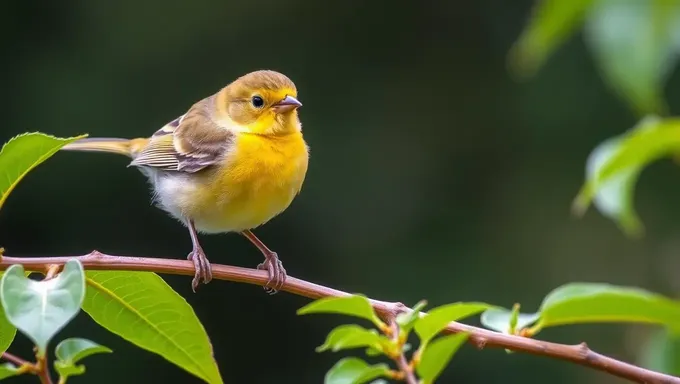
(43, 371)
(39, 368)
(480, 337)
(18, 361)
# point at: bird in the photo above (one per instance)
(232, 162)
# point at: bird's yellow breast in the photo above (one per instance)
(258, 180)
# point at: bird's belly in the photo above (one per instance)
(248, 206)
(246, 194)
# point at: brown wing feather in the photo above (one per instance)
(187, 144)
(158, 153)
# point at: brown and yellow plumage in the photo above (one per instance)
(232, 162)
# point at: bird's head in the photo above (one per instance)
(262, 102)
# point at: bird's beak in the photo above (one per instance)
(288, 103)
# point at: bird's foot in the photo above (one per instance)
(203, 271)
(277, 274)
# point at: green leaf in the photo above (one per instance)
(352, 370)
(40, 309)
(438, 318)
(68, 369)
(437, 355)
(352, 336)
(7, 330)
(70, 351)
(661, 352)
(371, 351)
(75, 349)
(7, 333)
(634, 43)
(144, 310)
(592, 303)
(552, 22)
(514, 318)
(498, 319)
(650, 140)
(354, 305)
(614, 198)
(407, 320)
(24, 152)
(8, 370)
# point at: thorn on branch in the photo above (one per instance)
(95, 254)
(480, 342)
(585, 351)
(399, 308)
(392, 310)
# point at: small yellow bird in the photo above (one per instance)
(232, 162)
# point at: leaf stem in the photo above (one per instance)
(578, 354)
(52, 271)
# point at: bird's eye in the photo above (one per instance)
(257, 101)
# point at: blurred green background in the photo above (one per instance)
(433, 173)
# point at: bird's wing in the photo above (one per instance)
(189, 143)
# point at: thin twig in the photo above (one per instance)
(480, 337)
(18, 361)
(401, 361)
(39, 368)
(43, 370)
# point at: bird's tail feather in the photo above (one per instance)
(125, 147)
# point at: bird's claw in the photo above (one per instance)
(203, 271)
(277, 274)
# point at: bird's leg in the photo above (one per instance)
(202, 268)
(271, 263)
